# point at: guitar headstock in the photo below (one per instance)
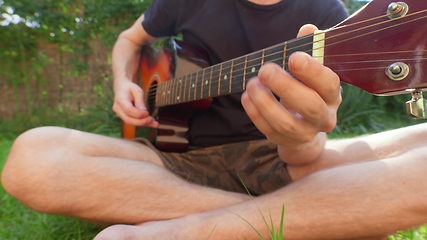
(382, 49)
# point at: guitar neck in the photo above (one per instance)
(232, 76)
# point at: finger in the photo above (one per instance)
(318, 77)
(295, 95)
(131, 115)
(131, 103)
(145, 121)
(306, 30)
(138, 97)
(330, 87)
(254, 114)
(270, 117)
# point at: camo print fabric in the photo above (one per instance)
(255, 163)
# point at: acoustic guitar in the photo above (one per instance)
(381, 49)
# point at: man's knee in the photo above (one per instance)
(23, 174)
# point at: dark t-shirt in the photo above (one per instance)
(227, 29)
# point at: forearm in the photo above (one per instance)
(128, 96)
(126, 51)
(124, 59)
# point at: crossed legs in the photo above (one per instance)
(102, 179)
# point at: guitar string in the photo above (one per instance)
(376, 31)
(361, 54)
(350, 62)
(193, 95)
(153, 90)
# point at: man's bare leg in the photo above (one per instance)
(101, 179)
(362, 200)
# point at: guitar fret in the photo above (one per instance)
(192, 89)
(173, 93)
(193, 86)
(275, 55)
(202, 83)
(164, 93)
(184, 85)
(238, 75)
(253, 64)
(182, 89)
(208, 81)
(244, 72)
(179, 97)
(219, 79)
(196, 78)
(168, 91)
(214, 83)
(205, 82)
(231, 76)
(225, 84)
(177, 93)
(262, 57)
(284, 56)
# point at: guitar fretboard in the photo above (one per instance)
(227, 77)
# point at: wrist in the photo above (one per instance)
(305, 153)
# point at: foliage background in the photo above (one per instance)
(56, 54)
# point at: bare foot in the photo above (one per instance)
(156, 230)
(176, 229)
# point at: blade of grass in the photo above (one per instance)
(282, 222)
(272, 230)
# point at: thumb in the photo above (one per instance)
(306, 29)
(138, 97)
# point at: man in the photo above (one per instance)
(117, 181)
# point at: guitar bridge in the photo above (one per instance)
(416, 107)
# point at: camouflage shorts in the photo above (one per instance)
(255, 163)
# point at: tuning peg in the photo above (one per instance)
(416, 107)
(397, 10)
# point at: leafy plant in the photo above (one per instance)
(358, 114)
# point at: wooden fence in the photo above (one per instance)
(57, 85)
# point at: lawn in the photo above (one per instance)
(19, 222)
